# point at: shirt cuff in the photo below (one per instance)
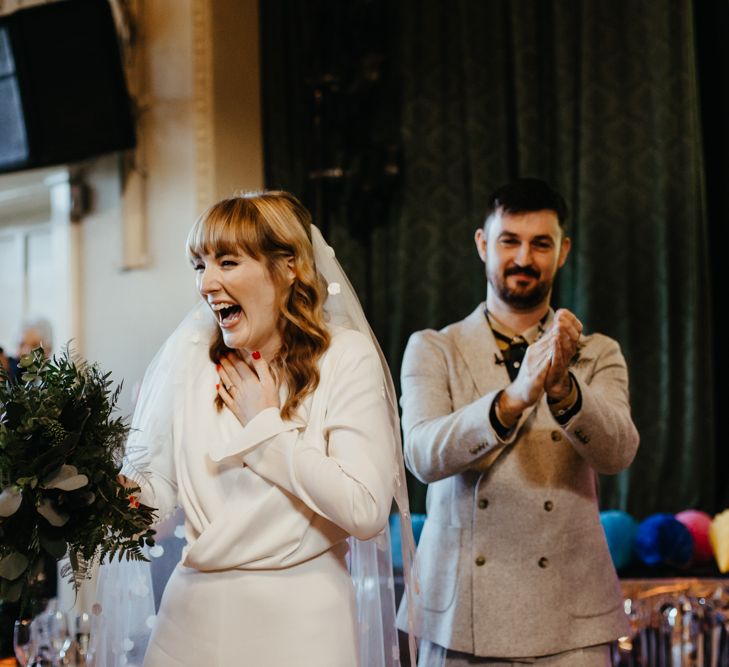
(266, 424)
(502, 431)
(566, 408)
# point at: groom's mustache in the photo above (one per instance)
(522, 271)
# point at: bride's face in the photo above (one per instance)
(243, 298)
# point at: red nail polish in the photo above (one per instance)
(256, 355)
(217, 367)
(217, 386)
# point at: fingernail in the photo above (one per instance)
(217, 386)
(217, 367)
(256, 355)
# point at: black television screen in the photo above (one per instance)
(63, 97)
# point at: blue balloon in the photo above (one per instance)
(417, 521)
(662, 539)
(620, 530)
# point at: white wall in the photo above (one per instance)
(127, 315)
(201, 133)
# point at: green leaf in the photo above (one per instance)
(13, 565)
(11, 590)
(26, 361)
(55, 547)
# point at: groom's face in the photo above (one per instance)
(522, 253)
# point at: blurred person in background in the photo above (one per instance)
(34, 332)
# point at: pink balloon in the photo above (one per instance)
(698, 524)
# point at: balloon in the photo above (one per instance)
(661, 539)
(619, 530)
(698, 525)
(719, 536)
(417, 520)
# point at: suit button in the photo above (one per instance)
(483, 503)
(548, 505)
(543, 562)
(480, 560)
(556, 436)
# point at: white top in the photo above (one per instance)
(273, 493)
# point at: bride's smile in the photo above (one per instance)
(244, 298)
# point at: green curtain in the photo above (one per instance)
(600, 99)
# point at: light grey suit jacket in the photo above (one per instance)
(513, 559)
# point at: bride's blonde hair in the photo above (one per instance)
(274, 228)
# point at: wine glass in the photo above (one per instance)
(57, 632)
(23, 642)
(83, 632)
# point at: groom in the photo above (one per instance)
(509, 415)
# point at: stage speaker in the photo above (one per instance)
(63, 97)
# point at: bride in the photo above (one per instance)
(275, 429)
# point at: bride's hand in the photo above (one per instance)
(247, 387)
(127, 483)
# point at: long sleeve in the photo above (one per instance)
(441, 441)
(149, 465)
(602, 430)
(149, 453)
(343, 470)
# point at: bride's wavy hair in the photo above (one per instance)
(275, 228)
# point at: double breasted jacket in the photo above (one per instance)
(513, 560)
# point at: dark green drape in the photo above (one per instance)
(599, 98)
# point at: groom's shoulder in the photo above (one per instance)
(446, 340)
(449, 333)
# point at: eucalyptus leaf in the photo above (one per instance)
(50, 514)
(11, 590)
(26, 361)
(10, 500)
(13, 565)
(66, 479)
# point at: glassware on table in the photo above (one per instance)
(83, 635)
(23, 644)
(58, 637)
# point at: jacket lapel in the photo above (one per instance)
(475, 341)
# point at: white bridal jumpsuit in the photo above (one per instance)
(268, 507)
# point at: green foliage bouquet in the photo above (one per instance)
(60, 454)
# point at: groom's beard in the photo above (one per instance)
(520, 297)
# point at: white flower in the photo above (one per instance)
(334, 288)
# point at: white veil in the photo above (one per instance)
(371, 562)
(122, 618)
